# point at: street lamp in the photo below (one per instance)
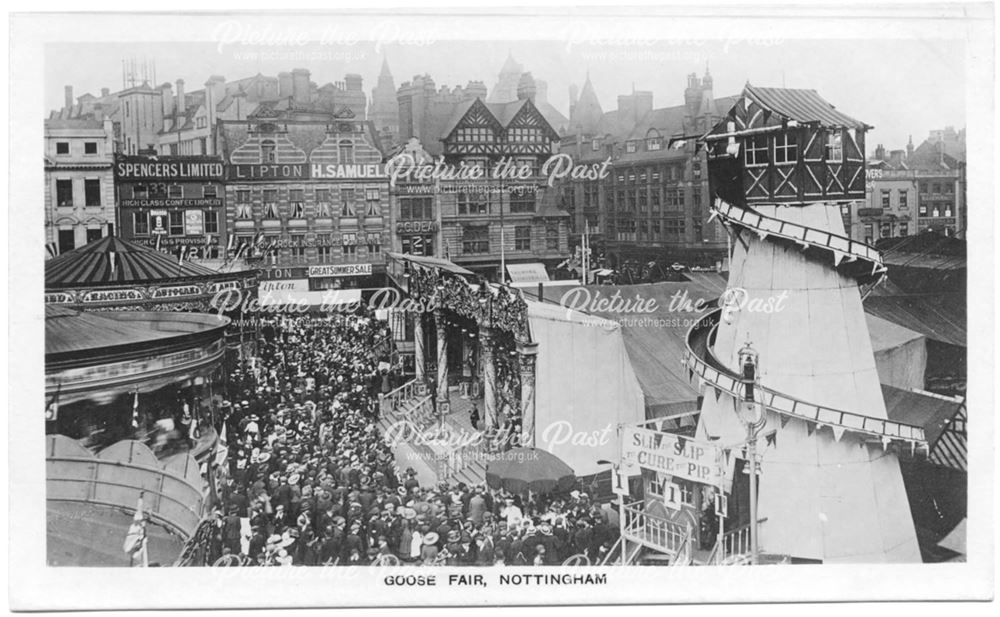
(751, 413)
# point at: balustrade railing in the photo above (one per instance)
(394, 399)
(653, 530)
(735, 546)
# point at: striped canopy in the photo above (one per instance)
(111, 261)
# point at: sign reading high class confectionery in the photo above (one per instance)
(340, 270)
(671, 454)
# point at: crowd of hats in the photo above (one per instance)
(309, 480)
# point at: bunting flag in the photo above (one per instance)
(717, 393)
(52, 408)
(135, 539)
(838, 432)
(135, 410)
(837, 258)
(113, 258)
(783, 419)
(810, 428)
(771, 438)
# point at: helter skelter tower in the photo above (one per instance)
(782, 164)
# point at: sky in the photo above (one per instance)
(902, 87)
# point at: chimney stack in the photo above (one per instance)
(181, 101)
(69, 96)
(105, 92)
(300, 85)
(284, 85)
(167, 96)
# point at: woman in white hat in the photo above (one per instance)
(429, 552)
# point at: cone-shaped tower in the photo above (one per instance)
(830, 487)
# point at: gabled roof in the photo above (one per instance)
(803, 106)
(505, 112)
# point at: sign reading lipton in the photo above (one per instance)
(267, 172)
(671, 454)
(340, 270)
(146, 169)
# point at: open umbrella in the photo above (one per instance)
(522, 469)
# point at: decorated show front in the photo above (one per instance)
(558, 379)
(112, 274)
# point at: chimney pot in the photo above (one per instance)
(69, 96)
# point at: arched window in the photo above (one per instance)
(267, 154)
(346, 151)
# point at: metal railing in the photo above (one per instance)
(733, 549)
(720, 378)
(654, 531)
(394, 399)
(169, 500)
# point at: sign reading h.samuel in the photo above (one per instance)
(675, 455)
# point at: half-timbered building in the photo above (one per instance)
(780, 145)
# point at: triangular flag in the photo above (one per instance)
(771, 438)
(761, 234)
(718, 393)
(711, 215)
(837, 258)
(810, 428)
(838, 432)
(783, 419)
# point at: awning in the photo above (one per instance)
(295, 299)
(527, 273)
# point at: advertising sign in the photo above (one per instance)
(340, 270)
(168, 168)
(675, 455)
(194, 223)
(158, 221)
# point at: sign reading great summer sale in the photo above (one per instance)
(675, 455)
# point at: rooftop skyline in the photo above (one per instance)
(879, 82)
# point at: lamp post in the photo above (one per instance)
(751, 413)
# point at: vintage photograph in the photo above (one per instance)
(325, 293)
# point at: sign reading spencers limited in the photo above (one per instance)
(675, 455)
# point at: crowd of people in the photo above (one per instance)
(309, 480)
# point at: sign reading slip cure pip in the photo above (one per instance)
(675, 455)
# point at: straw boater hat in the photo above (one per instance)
(454, 536)
(408, 513)
(546, 529)
(293, 479)
(431, 538)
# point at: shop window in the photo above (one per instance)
(211, 221)
(420, 208)
(176, 222)
(140, 223)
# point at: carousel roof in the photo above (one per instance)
(113, 261)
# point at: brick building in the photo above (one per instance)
(79, 185)
(306, 192)
(479, 223)
(655, 202)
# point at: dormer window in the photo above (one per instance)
(595, 145)
(267, 154)
(756, 151)
(786, 149)
(630, 147)
(654, 143)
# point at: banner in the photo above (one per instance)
(341, 270)
(675, 455)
